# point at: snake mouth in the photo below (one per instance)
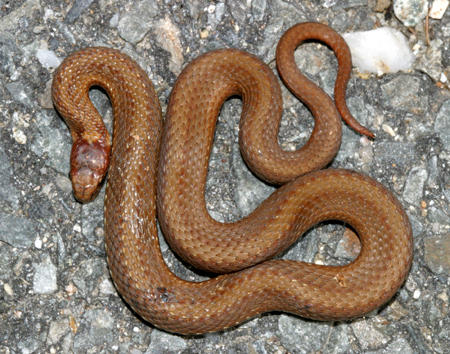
(86, 184)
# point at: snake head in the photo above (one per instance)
(88, 165)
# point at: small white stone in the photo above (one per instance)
(48, 13)
(77, 228)
(438, 9)
(388, 130)
(107, 288)
(19, 136)
(47, 58)
(416, 294)
(44, 280)
(8, 289)
(38, 243)
(380, 51)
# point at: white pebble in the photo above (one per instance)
(438, 9)
(44, 280)
(38, 243)
(380, 51)
(8, 289)
(388, 130)
(416, 294)
(48, 13)
(19, 136)
(47, 58)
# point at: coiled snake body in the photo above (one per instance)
(145, 175)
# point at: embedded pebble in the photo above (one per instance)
(77, 9)
(438, 9)
(20, 92)
(413, 191)
(48, 58)
(437, 251)
(19, 135)
(96, 329)
(368, 336)
(160, 341)
(16, 231)
(400, 346)
(168, 37)
(442, 124)
(410, 12)
(57, 330)
(291, 329)
(44, 280)
(131, 27)
(403, 93)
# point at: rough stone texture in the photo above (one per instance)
(410, 12)
(437, 251)
(55, 289)
(44, 281)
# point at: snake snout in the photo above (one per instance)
(85, 184)
(89, 163)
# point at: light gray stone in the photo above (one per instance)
(57, 330)
(437, 251)
(7, 190)
(165, 342)
(388, 152)
(96, 329)
(410, 12)
(20, 93)
(78, 7)
(413, 191)
(259, 9)
(26, 10)
(299, 336)
(16, 230)
(44, 280)
(132, 26)
(8, 51)
(403, 93)
(400, 346)
(442, 124)
(368, 336)
(51, 142)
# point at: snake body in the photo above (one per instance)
(147, 174)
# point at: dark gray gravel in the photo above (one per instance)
(55, 291)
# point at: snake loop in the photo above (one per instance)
(147, 174)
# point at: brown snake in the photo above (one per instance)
(146, 174)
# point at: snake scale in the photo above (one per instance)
(157, 167)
